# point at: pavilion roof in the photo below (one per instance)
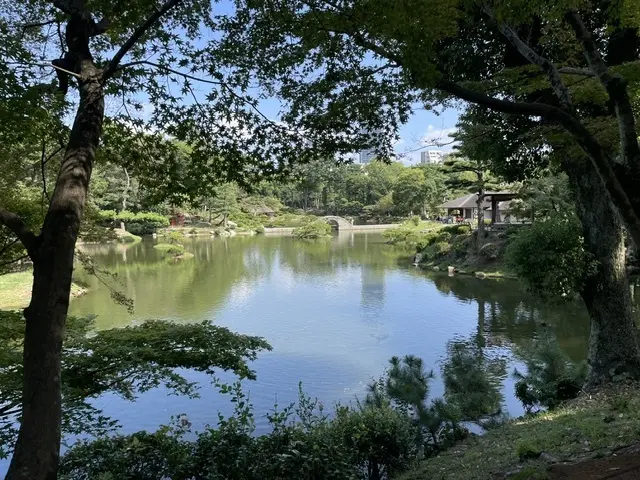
(469, 200)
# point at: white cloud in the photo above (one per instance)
(441, 139)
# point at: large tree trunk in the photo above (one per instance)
(613, 347)
(36, 453)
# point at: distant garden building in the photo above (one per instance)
(496, 207)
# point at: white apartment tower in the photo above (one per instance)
(432, 156)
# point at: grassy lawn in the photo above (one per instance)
(592, 426)
(15, 290)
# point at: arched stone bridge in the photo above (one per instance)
(338, 222)
(342, 224)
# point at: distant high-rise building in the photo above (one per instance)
(365, 156)
(432, 156)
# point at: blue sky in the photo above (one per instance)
(425, 129)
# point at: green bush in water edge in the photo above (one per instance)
(317, 229)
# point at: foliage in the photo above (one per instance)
(472, 382)
(317, 229)
(174, 250)
(413, 192)
(123, 361)
(415, 220)
(550, 257)
(412, 233)
(359, 442)
(439, 249)
(140, 223)
(247, 221)
(551, 377)
(290, 220)
(549, 196)
(223, 203)
(175, 237)
(444, 236)
(463, 229)
(526, 451)
(405, 387)
(489, 251)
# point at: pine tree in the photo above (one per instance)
(474, 176)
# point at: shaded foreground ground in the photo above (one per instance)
(621, 465)
(594, 437)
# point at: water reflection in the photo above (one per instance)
(506, 315)
(334, 311)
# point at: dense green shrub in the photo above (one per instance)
(426, 239)
(415, 220)
(176, 237)
(550, 257)
(317, 229)
(381, 439)
(359, 442)
(461, 243)
(489, 251)
(247, 221)
(400, 234)
(457, 229)
(290, 220)
(441, 248)
(108, 215)
(444, 237)
(170, 249)
(141, 223)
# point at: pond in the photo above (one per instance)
(334, 311)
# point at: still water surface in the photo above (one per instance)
(334, 311)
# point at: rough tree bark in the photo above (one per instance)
(613, 346)
(37, 450)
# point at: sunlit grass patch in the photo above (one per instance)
(591, 426)
(15, 290)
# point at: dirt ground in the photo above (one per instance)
(623, 465)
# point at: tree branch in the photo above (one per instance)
(584, 72)
(137, 34)
(14, 223)
(199, 79)
(616, 87)
(27, 26)
(170, 70)
(559, 88)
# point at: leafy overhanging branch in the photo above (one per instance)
(123, 361)
(616, 87)
(137, 34)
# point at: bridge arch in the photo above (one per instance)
(338, 222)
